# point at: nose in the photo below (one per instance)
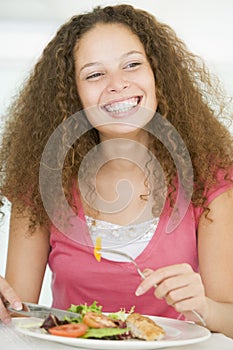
(117, 83)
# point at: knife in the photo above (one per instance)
(39, 311)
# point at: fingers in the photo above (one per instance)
(179, 285)
(160, 275)
(8, 294)
(148, 272)
(186, 305)
(4, 315)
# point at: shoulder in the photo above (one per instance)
(218, 192)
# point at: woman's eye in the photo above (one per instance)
(132, 65)
(94, 76)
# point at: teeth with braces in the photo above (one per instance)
(121, 107)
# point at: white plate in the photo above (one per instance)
(177, 333)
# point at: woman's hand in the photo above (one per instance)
(8, 294)
(180, 286)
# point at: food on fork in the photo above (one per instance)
(143, 327)
(97, 248)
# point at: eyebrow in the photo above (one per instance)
(125, 55)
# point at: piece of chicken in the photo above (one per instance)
(143, 327)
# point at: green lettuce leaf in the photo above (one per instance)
(104, 332)
(84, 308)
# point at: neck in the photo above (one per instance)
(125, 153)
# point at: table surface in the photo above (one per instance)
(10, 339)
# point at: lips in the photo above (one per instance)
(122, 106)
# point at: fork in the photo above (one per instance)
(127, 256)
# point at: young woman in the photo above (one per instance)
(117, 135)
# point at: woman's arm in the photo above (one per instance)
(209, 292)
(215, 246)
(27, 258)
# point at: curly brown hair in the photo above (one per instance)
(187, 96)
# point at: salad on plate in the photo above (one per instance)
(92, 323)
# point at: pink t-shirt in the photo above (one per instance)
(77, 277)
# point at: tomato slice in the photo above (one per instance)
(96, 320)
(73, 330)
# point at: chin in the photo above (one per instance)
(120, 130)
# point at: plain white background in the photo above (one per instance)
(26, 26)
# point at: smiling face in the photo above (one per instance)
(114, 79)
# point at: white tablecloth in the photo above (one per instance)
(12, 340)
